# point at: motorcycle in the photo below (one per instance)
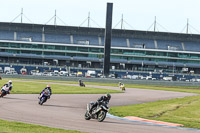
(81, 84)
(44, 96)
(122, 87)
(98, 112)
(4, 91)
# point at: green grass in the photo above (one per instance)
(35, 88)
(184, 111)
(187, 89)
(19, 127)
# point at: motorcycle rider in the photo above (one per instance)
(120, 83)
(102, 99)
(80, 82)
(8, 86)
(48, 88)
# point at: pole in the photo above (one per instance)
(88, 19)
(155, 24)
(122, 22)
(187, 29)
(21, 14)
(107, 41)
(55, 18)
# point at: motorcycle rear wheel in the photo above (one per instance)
(101, 116)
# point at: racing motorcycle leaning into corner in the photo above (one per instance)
(44, 95)
(81, 84)
(4, 91)
(99, 109)
(122, 86)
(6, 88)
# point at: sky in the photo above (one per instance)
(171, 15)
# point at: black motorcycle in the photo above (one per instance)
(98, 112)
(43, 97)
(82, 84)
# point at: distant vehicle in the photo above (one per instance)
(182, 79)
(134, 77)
(99, 75)
(129, 77)
(1, 70)
(72, 74)
(149, 78)
(56, 73)
(23, 70)
(79, 74)
(35, 72)
(14, 72)
(24, 73)
(8, 73)
(111, 76)
(11, 73)
(91, 74)
(195, 80)
(63, 73)
(167, 78)
(9, 70)
(45, 74)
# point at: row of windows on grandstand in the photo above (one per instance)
(98, 50)
(100, 56)
(120, 52)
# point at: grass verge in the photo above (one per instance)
(19, 127)
(35, 88)
(187, 89)
(181, 110)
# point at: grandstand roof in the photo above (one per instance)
(98, 31)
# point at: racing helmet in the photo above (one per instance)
(48, 86)
(108, 96)
(10, 81)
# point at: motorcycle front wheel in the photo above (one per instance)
(87, 116)
(101, 116)
(42, 100)
(2, 93)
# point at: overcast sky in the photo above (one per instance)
(171, 15)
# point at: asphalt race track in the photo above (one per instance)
(67, 111)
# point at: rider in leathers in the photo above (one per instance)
(9, 86)
(104, 99)
(47, 88)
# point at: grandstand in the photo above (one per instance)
(134, 50)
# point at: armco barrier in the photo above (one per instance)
(106, 80)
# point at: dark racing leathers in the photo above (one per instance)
(47, 88)
(102, 99)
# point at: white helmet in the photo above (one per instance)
(10, 81)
